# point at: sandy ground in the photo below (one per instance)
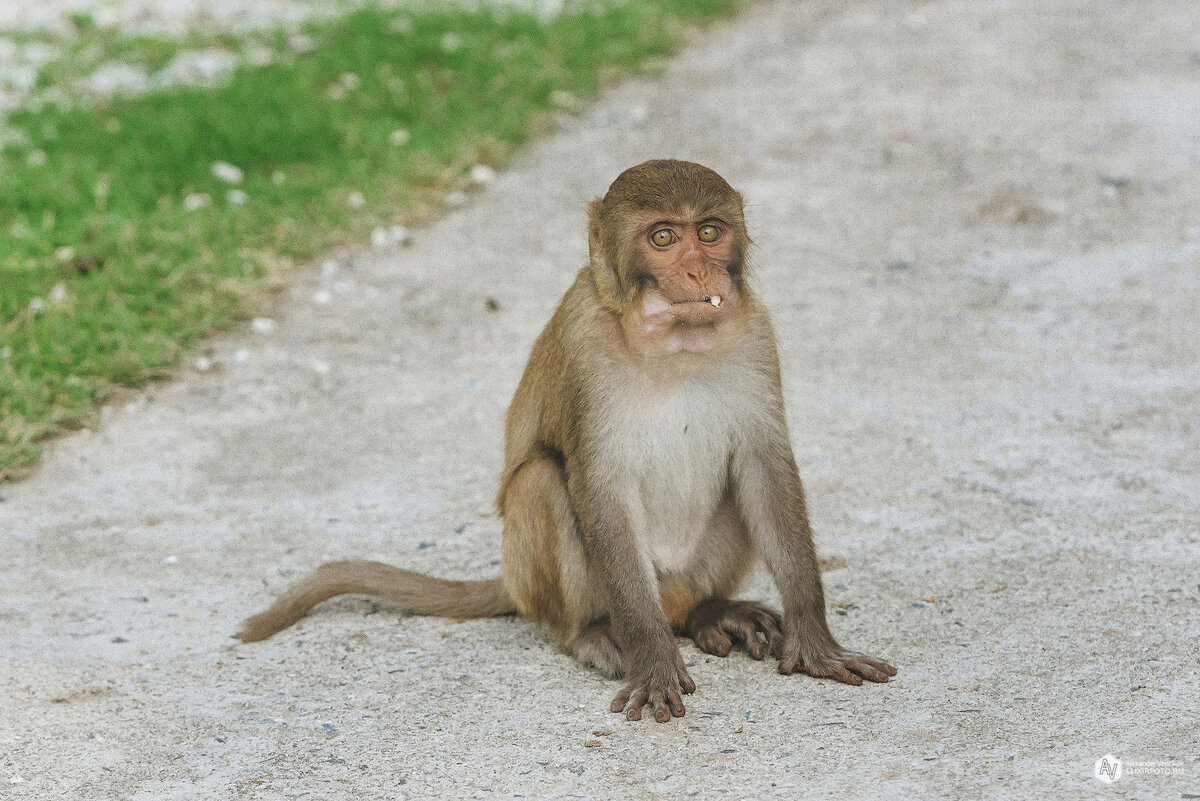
(978, 226)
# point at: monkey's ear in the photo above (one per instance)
(595, 246)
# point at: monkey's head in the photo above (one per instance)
(669, 241)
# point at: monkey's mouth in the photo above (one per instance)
(712, 300)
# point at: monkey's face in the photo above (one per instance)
(687, 272)
(686, 267)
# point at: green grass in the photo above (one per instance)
(106, 279)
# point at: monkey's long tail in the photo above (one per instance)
(415, 592)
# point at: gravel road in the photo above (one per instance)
(978, 226)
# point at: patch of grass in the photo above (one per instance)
(108, 274)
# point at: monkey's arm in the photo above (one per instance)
(770, 497)
(655, 673)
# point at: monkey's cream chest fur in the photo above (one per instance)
(667, 452)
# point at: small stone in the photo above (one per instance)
(355, 200)
(399, 137)
(492, 305)
(237, 197)
(379, 238)
(37, 305)
(350, 81)
(223, 171)
(602, 732)
(560, 98)
(196, 200)
(203, 364)
(399, 235)
(263, 325)
(322, 297)
(591, 743)
(65, 253)
(171, 560)
(482, 174)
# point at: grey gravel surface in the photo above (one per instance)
(978, 226)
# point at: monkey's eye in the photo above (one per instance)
(662, 237)
(709, 233)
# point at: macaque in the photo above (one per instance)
(647, 465)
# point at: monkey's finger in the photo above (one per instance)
(618, 703)
(787, 664)
(769, 624)
(837, 671)
(878, 664)
(676, 704)
(658, 702)
(685, 682)
(633, 709)
(868, 671)
(714, 641)
(744, 631)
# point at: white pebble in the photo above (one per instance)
(350, 81)
(37, 305)
(223, 171)
(263, 325)
(171, 560)
(379, 238)
(355, 200)
(322, 297)
(203, 364)
(399, 235)
(58, 293)
(482, 174)
(196, 200)
(398, 137)
(241, 355)
(237, 197)
(65, 253)
(565, 100)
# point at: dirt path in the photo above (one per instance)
(978, 224)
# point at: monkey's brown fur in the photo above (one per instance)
(647, 464)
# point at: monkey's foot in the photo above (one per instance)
(596, 647)
(716, 624)
(829, 660)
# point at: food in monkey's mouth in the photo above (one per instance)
(715, 300)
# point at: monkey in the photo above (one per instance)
(647, 465)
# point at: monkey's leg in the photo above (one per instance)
(544, 570)
(597, 647)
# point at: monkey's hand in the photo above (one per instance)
(657, 682)
(818, 654)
